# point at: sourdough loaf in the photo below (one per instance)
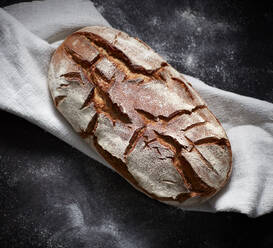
(141, 115)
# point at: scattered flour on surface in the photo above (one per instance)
(75, 215)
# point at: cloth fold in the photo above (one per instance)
(29, 34)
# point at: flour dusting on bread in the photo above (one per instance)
(141, 115)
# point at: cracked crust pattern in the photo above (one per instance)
(141, 115)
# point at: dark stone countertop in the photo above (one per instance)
(51, 195)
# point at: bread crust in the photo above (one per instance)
(141, 115)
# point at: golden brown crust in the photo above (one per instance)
(144, 118)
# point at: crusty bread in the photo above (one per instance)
(141, 115)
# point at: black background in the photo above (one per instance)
(51, 195)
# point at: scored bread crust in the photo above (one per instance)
(141, 115)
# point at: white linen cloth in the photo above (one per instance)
(29, 34)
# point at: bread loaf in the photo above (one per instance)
(141, 115)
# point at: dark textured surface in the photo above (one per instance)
(53, 196)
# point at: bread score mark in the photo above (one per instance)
(79, 60)
(191, 179)
(118, 54)
(150, 117)
(103, 103)
(132, 143)
(58, 99)
(91, 127)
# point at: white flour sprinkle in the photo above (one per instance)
(75, 215)
(201, 23)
